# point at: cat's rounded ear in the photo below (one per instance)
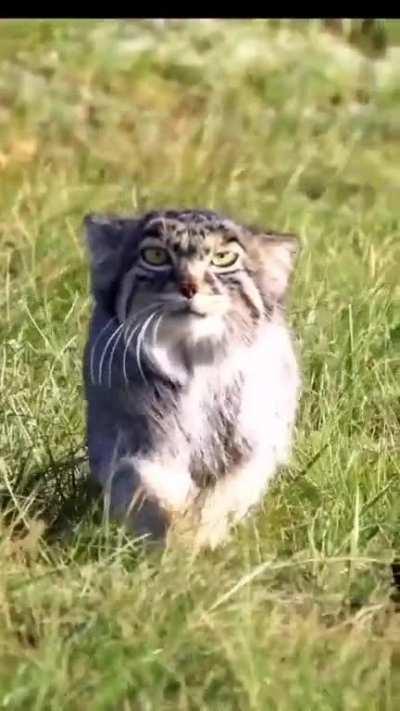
(105, 238)
(278, 258)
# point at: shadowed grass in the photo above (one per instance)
(294, 128)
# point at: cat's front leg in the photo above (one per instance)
(145, 494)
(232, 497)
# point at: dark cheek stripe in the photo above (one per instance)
(268, 308)
(159, 282)
(212, 281)
(239, 286)
(130, 299)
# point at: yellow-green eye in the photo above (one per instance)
(156, 256)
(224, 259)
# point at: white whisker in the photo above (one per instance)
(93, 349)
(127, 344)
(114, 348)
(105, 349)
(156, 327)
(140, 341)
(129, 339)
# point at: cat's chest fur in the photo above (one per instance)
(209, 416)
(229, 409)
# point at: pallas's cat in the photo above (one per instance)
(191, 378)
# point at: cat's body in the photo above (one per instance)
(191, 379)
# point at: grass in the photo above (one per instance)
(284, 124)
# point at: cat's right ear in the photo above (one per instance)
(104, 236)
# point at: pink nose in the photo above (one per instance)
(188, 288)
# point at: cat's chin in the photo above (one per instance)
(208, 305)
(200, 328)
(187, 340)
(190, 329)
(201, 318)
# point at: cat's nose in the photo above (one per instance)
(188, 288)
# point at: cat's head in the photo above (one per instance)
(204, 274)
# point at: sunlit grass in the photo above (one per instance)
(292, 128)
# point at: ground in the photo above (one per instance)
(294, 127)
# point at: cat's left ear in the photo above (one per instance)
(278, 258)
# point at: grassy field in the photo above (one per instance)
(297, 129)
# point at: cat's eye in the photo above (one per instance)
(156, 256)
(224, 259)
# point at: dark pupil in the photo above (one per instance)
(154, 253)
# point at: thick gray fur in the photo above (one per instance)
(191, 415)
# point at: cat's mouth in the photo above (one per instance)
(192, 322)
(202, 305)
